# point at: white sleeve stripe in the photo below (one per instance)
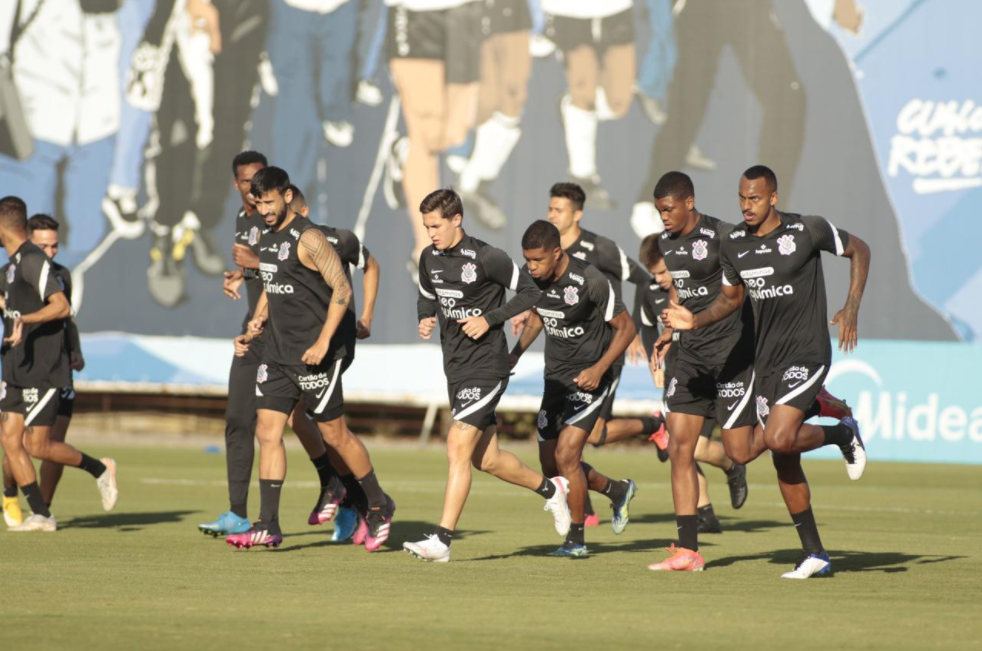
(726, 281)
(43, 282)
(425, 293)
(625, 270)
(645, 320)
(839, 249)
(609, 314)
(514, 277)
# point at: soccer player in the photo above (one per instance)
(653, 300)
(775, 257)
(462, 283)
(587, 331)
(305, 298)
(240, 412)
(37, 307)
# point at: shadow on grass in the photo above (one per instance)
(403, 531)
(126, 522)
(729, 523)
(650, 546)
(843, 561)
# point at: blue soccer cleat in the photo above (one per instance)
(622, 509)
(227, 524)
(345, 521)
(570, 550)
(810, 565)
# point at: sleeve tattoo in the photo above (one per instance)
(326, 261)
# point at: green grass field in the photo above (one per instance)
(904, 543)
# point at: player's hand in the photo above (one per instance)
(848, 321)
(475, 327)
(243, 256)
(363, 329)
(426, 327)
(662, 345)
(76, 361)
(231, 283)
(256, 327)
(315, 354)
(518, 323)
(16, 333)
(204, 18)
(678, 317)
(659, 377)
(589, 379)
(241, 344)
(635, 352)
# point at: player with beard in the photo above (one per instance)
(775, 257)
(587, 330)
(462, 282)
(305, 298)
(36, 308)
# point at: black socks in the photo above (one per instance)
(804, 524)
(356, 496)
(575, 534)
(688, 526)
(615, 490)
(324, 471)
(92, 466)
(837, 435)
(10, 491)
(33, 496)
(269, 505)
(546, 489)
(373, 492)
(651, 425)
(445, 535)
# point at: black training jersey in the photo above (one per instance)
(72, 342)
(609, 258)
(40, 360)
(575, 312)
(469, 280)
(782, 272)
(353, 254)
(651, 300)
(248, 231)
(8, 324)
(694, 262)
(298, 298)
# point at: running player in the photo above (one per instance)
(587, 330)
(597, 41)
(240, 412)
(462, 282)
(777, 257)
(37, 307)
(305, 298)
(651, 303)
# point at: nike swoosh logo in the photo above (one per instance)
(264, 248)
(740, 255)
(660, 300)
(321, 394)
(730, 408)
(791, 386)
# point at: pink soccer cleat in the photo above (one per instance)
(680, 560)
(259, 534)
(361, 531)
(379, 524)
(591, 520)
(326, 507)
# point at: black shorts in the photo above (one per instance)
(600, 33)
(505, 17)
(66, 402)
(449, 35)
(473, 401)
(39, 406)
(566, 404)
(724, 391)
(796, 385)
(280, 386)
(607, 410)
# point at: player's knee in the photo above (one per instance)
(567, 459)
(266, 433)
(485, 462)
(779, 440)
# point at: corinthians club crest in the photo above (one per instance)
(254, 236)
(571, 295)
(261, 374)
(284, 251)
(11, 270)
(468, 273)
(786, 245)
(762, 408)
(699, 250)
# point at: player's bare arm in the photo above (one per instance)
(369, 296)
(728, 301)
(533, 326)
(244, 257)
(316, 253)
(848, 317)
(56, 308)
(624, 331)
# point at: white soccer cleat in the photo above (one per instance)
(558, 506)
(430, 550)
(810, 565)
(37, 523)
(854, 452)
(107, 485)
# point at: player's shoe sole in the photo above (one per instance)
(108, 487)
(36, 523)
(736, 479)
